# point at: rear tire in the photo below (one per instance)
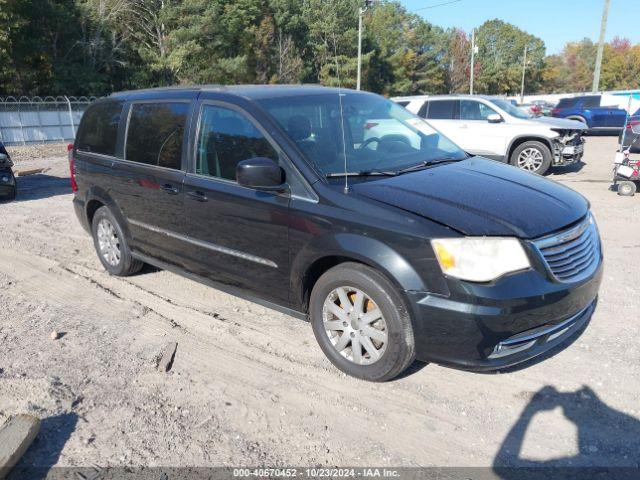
(531, 156)
(111, 245)
(385, 347)
(626, 188)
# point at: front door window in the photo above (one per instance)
(226, 138)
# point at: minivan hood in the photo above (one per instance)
(481, 197)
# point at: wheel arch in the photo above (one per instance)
(97, 197)
(579, 118)
(519, 140)
(316, 259)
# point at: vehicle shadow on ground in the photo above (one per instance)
(36, 187)
(45, 450)
(605, 437)
(573, 168)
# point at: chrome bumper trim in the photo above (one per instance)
(540, 335)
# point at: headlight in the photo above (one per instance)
(480, 259)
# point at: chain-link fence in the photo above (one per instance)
(40, 120)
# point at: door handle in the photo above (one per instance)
(170, 189)
(198, 196)
(464, 125)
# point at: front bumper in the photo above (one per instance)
(8, 186)
(491, 327)
(568, 154)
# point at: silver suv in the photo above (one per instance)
(494, 128)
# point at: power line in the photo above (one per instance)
(436, 5)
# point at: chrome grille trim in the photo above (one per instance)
(573, 254)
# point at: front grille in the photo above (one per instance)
(573, 254)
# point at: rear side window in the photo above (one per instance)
(99, 130)
(590, 102)
(156, 133)
(442, 110)
(566, 103)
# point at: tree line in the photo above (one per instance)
(94, 47)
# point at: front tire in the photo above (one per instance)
(532, 156)
(362, 323)
(626, 188)
(111, 245)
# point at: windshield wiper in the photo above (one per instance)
(427, 163)
(363, 173)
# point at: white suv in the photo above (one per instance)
(493, 128)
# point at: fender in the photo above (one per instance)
(358, 248)
(102, 196)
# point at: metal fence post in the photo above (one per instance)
(24, 140)
(73, 127)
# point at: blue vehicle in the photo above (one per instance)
(589, 109)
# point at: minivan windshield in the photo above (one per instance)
(510, 108)
(379, 135)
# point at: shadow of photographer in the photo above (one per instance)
(606, 438)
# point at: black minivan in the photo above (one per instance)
(396, 245)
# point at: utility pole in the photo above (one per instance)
(603, 31)
(473, 59)
(524, 69)
(361, 11)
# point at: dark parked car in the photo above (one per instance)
(8, 187)
(418, 251)
(589, 109)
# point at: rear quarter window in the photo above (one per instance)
(156, 133)
(423, 110)
(98, 131)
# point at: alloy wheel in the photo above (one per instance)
(108, 242)
(530, 159)
(355, 325)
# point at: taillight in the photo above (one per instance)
(555, 111)
(72, 168)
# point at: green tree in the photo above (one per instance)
(501, 54)
(410, 48)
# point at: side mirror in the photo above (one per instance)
(494, 118)
(261, 173)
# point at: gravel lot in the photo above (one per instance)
(249, 386)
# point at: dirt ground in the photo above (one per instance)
(249, 386)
